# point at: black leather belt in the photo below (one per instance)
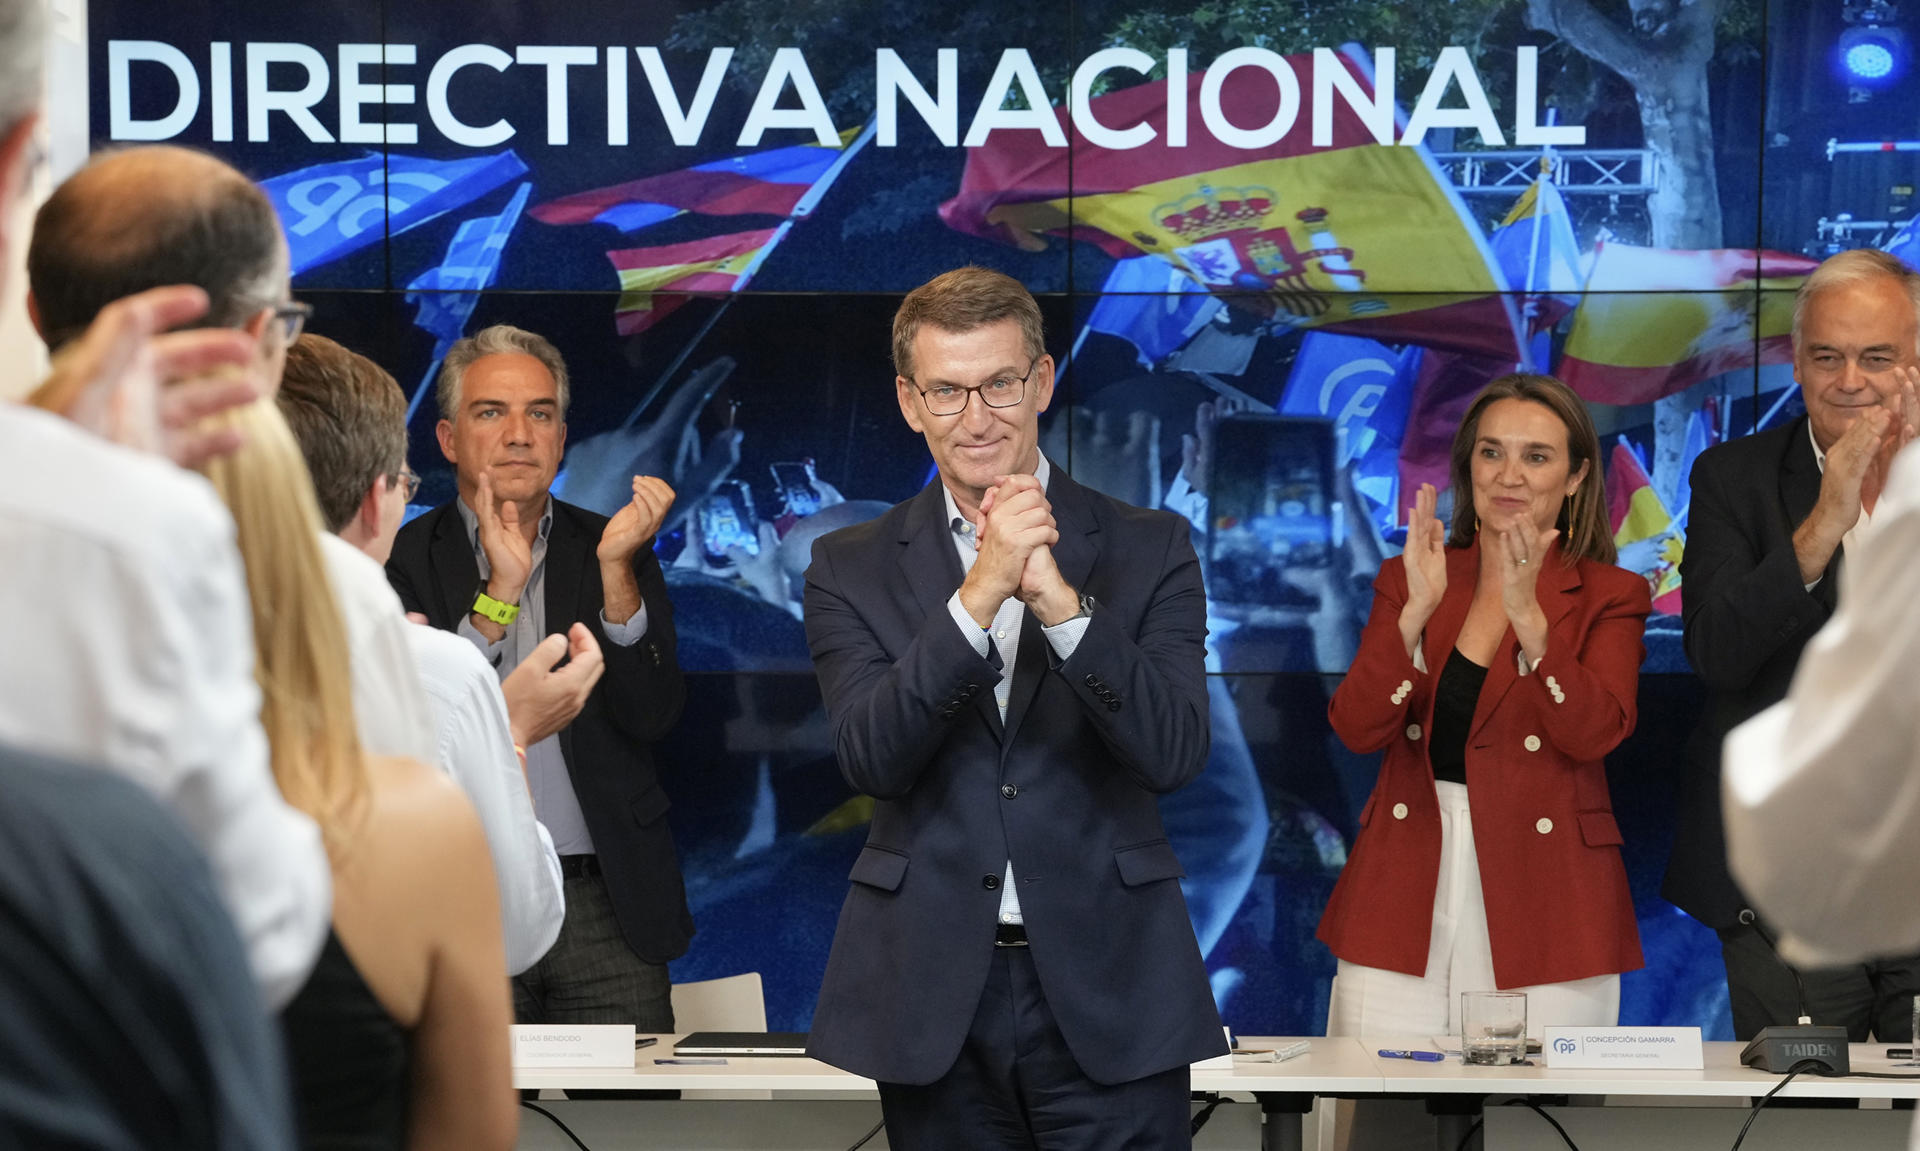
(579, 866)
(1010, 935)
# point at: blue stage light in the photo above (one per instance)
(1870, 61)
(1872, 56)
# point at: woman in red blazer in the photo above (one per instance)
(1497, 670)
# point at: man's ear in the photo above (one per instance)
(443, 431)
(256, 325)
(367, 516)
(1043, 383)
(33, 315)
(909, 398)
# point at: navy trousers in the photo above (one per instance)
(1016, 1086)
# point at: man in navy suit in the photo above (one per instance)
(1013, 668)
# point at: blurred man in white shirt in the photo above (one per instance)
(131, 644)
(350, 418)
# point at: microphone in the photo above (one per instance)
(1779, 1050)
(1749, 919)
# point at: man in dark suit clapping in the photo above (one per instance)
(506, 565)
(1774, 515)
(1013, 668)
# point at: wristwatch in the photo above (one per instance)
(487, 607)
(1086, 608)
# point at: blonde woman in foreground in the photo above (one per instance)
(399, 1038)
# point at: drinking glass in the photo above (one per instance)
(1493, 1027)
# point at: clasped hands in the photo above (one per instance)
(1015, 533)
(1856, 469)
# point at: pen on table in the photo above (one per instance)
(690, 1062)
(1417, 1056)
(645, 1041)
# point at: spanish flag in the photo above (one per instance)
(1654, 322)
(1638, 517)
(770, 182)
(652, 280)
(1353, 236)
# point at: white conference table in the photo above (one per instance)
(1342, 1067)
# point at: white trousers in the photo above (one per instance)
(1372, 1002)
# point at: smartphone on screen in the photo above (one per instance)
(794, 482)
(1271, 509)
(727, 521)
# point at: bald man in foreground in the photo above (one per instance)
(142, 217)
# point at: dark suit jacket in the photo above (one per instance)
(1747, 617)
(1066, 788)
(607, 747)
(1558, 907)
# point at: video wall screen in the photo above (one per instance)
(1279, 247)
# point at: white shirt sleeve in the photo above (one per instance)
(1064, 637)
(389, 705)
(1822, 791)
(475, 747)
(976, 635)
(133, 650)
(625, 634)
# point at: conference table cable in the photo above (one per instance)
(568, 1131)
(564, 1129)
(1467, 1136)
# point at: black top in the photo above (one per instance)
(1454, 699)
(128, 1014)
(350, 1061)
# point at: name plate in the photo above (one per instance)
(1632, 1048)
(585, 1045)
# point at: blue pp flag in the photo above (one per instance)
(329, 210)
(447, 293)
(1365, 388)
(1152, 305)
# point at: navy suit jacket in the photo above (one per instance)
(1066, 787)
(607, 747)
(1747, 617)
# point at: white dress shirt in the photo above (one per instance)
(1822, 790)
(389, 706)
(475, 746)
(1004, 634)
(130, 645)
(428, 695)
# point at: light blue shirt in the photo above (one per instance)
(1004, 633)
(553, 798)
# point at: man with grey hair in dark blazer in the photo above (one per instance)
(505, 565)
(1774, 516)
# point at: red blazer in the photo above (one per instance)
(1558, 907)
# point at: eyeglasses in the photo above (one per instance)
(952, 399)
(293, 316)
(409, 483)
